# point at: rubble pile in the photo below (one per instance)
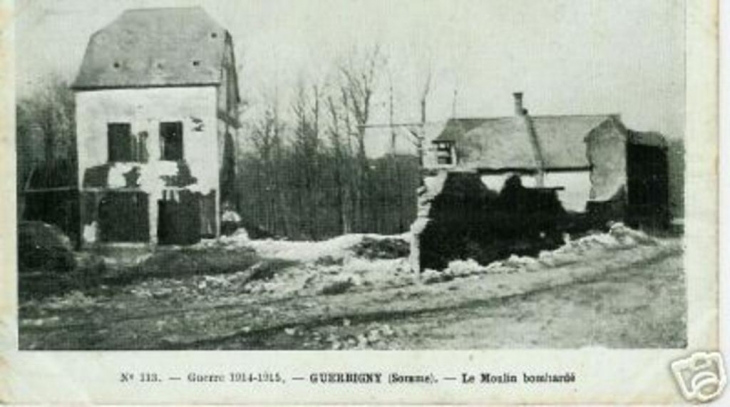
(619, 237)
(332, 268)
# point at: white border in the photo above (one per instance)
(605, 376)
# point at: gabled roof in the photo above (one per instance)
(155, 47)
(562, 138)
(501, 143)
(507, 143)
(455, 128)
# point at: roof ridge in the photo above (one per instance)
(576, 115)
(143, 9)
(539, 116)
(483, 118)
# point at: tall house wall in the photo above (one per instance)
(145, 109)
(227, 124)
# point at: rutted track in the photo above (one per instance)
(248, 322)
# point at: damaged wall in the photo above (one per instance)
(648, 186)
(575, 192)
(227, 112)
(144, 110)
(460, 218)
(606, 149)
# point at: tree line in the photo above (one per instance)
(306, 174)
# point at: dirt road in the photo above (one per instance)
(621, 295)
(638, 306)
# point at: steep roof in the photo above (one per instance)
(455, 128)
(507, 143)
(155, 47)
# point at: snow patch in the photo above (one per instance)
(90, 231)
(301, 251)
(344, 272)
(619, 237)
(116, 178)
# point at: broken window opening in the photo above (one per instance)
(123, 217)
(445, 160)
(444, 153)
(171, 141)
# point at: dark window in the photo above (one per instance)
(445, 160)
(120, 142)
(444, 153)
(171, 141)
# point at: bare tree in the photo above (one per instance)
(268, 145)
(339, 136)
(307, 146)
(420, 136)
(359, 76)
(321, 182)
(46, 129)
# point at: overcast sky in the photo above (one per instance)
(567, 56)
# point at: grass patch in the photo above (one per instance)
(87, 275)
(91, 274)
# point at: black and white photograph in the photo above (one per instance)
(350, 175)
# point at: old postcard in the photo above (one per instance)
(359, 202)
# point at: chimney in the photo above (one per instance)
(519, 108)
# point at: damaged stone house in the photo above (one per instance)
(156, 112)
(497, 186)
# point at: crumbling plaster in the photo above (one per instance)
(574, 197)
(575, 192)
(145, 109)
(606, 150)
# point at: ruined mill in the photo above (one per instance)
(156, 99)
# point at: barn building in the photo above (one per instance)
(156, 112)
(591, 160)
(492, 181)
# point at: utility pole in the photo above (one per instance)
(422, 135)
(453, 103)
(390, 123)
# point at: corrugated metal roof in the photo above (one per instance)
(155, 47)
